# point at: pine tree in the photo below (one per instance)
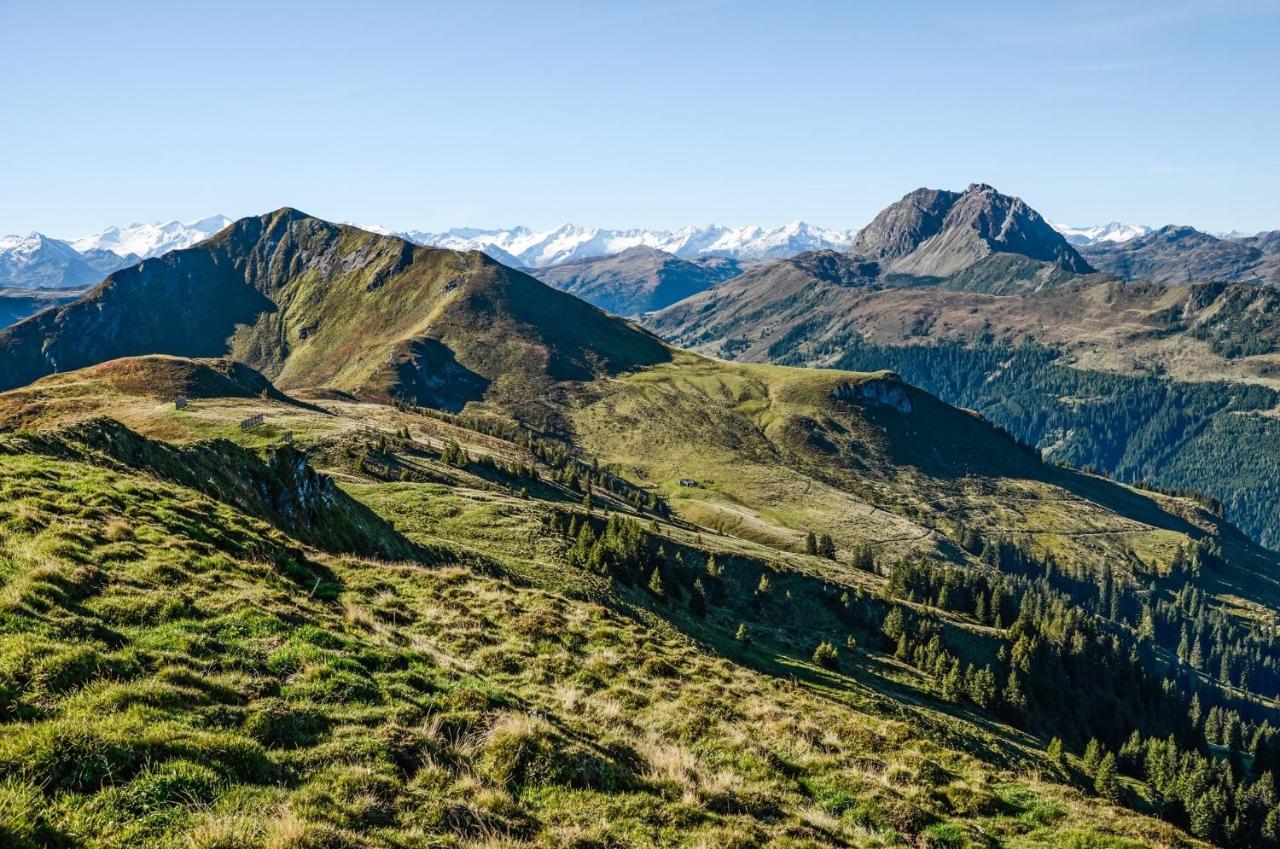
(714, 569)
(895, 624)
(1147, 625)
(952, 682)
(698, 599)
(742, 636)
(1092, 756)
(1131, 753)
(810, 544)
(1055, 752)
(1105, 781)
(827, 547)
(1213, 725)
(656, 585)
(1014, 699)
(982, 687)
(765, 586)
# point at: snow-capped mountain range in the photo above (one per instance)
(37, 261)
(1098, 234)
(542, 248)
(147, 240)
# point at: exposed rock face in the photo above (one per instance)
(887, 391)
(299, 494)
(931, 232)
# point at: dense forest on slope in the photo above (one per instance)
(1208, 438)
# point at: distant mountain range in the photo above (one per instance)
(1102, 233)
(144, 241)
(37, 261)
(639, 279)
(527, 248)
(1186, 255)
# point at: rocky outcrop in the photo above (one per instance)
(887, 391)
(277, 485)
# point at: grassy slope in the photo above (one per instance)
(772, 457)
(758, 442)
(175, 672)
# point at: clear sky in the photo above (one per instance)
(619, 114)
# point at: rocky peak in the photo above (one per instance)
(936, 232)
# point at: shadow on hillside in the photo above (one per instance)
(864, 681)
(426, 372)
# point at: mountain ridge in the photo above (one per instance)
(312, 303)
(1183, 254)
(640, 279)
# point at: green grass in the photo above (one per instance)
(169, 677)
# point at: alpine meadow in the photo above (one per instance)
(940, 525)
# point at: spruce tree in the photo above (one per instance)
(656, 585)
(982, 687)
(895, 624)
(1092, 756)
(742, 636)
(952, 682)
(810, 544)
(1014, 699)
(1105, 781)
(1055, 752)
(698, 599)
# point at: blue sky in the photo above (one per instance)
(423, 115)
